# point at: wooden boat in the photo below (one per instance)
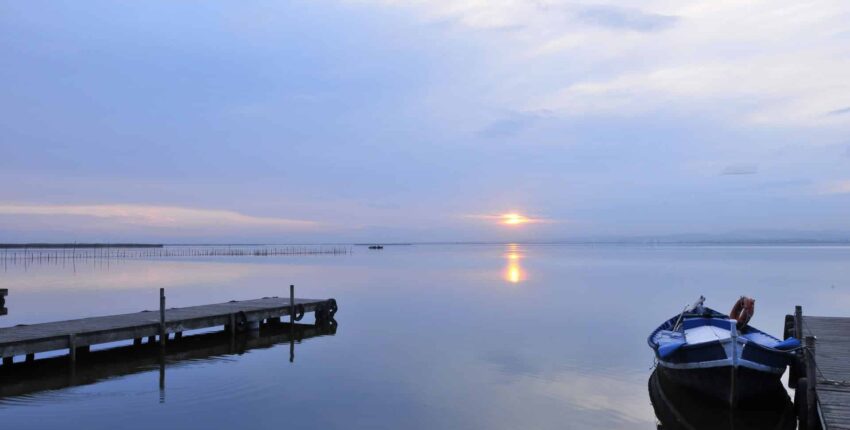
(679, 408)
(707, 351)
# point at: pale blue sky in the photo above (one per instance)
(375, 120)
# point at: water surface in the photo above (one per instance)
(428, 336)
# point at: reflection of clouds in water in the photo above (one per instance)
(617, 394)
(516, 392)
(623, 399)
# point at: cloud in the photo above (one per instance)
(841, 111)
(622, 18)
(740, 169)
(510, 218)
(510, 126)
(157, 216)
(837, 187)
(764, 63)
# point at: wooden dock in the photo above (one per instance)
(78, 335)
(23, 379)
(823, 374)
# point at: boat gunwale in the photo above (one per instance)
(713, 314)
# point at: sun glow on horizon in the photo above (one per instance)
(514, 219)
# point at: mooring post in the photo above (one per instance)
(292, 304)
(812, 380)
(72, 348)
(162, 334)
(292, 323)
(798, 322)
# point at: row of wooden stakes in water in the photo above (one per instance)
(48, 255)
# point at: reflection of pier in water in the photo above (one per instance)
(679, 408)
(57, 373)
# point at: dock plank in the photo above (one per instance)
(832, 357)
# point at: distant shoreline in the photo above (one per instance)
(78, 245)
(626, 242)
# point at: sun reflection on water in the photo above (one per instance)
(513, 272)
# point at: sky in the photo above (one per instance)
(422, 120)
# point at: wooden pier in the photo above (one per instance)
(23, 379)
(822, 376)
(3, 293)
(78, 335)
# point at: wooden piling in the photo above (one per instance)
(798, 322)
(291, 323)
(292, 304)
(72, 348)
(812, 381)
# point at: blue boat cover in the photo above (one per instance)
(790, 343)
(669, 342)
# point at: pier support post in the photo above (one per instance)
(812, 382)
(72, 348)
(137, 341)
(30, 357)
(798, 322)
(292, 323)
(797, 369)
(162, 334)
(8, 361)
(292, 304)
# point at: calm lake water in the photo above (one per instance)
(460, 336)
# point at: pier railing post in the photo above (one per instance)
(798, 322)
(292, 304)
(162, 333)
(291, 323)
(812, 382)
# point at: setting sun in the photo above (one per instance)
(514, 219)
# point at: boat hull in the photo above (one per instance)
(681, 408)
(726, 384)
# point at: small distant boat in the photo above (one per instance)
(716, 354)
(376, 246)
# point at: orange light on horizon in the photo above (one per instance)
(514, 219)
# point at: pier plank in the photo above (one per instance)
(832, 358)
